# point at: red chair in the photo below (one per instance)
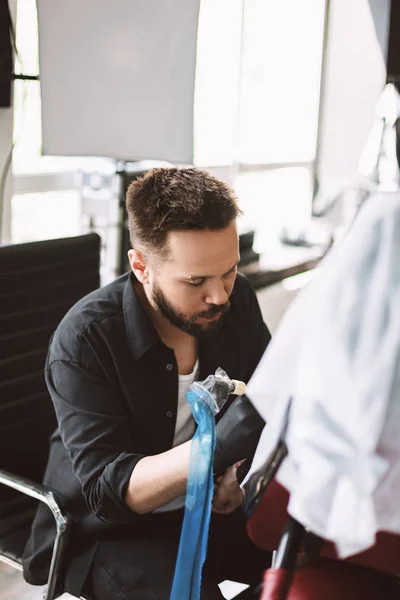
(370, 575)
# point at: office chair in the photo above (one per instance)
(39, 282)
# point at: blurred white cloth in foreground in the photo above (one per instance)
(337, 354)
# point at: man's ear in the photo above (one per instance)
(139, 265)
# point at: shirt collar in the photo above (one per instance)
(141, 334)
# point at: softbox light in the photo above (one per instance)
(117, 78)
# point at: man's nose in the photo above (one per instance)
(216, 293)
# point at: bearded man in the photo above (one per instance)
(118, 369)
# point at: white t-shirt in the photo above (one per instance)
(185, 426)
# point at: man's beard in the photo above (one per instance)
(190, 326)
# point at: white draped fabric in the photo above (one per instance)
(337, 355)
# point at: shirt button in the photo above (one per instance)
(169, 367)
(169, 413)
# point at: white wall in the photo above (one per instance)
(6, 126)
(355, 75)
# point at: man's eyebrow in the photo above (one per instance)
(194, 277)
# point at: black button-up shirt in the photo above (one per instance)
(114, 386)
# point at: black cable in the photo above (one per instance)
(8, 160)
(11, 28)
(13, 38)
(24, 77)
(18, 76)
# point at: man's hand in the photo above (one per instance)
(228, 495)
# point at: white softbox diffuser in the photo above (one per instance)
(117, 78)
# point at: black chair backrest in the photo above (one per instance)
(39, 282)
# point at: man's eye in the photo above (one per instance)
(196, 283)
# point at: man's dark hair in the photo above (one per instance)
(174, 199)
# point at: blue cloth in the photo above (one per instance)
(200, 487)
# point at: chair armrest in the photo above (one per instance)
(47, 496)
(38, 491)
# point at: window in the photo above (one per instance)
(45, 215)
(282, 52)
(45, 204)
(258, 81)
(217, 82)
(256, 112)
(257, 100)
(27, 157)
(272, 198)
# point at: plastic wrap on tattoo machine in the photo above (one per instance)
(216, 389)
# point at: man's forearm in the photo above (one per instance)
(159, 479)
